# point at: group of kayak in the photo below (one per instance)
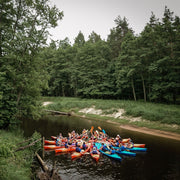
(93, 143)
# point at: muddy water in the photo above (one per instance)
(161, 161)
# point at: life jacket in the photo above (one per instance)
(66, 146)
(84, 146)
(113, 151)
(104, 148)
(57, 142)
(78, 149)
(94, 152)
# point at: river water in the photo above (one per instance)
(161, 161)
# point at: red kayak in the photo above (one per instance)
(79, 154)
(69, 149)
(51, 147)
(95, 156)
(54, 138)
(139, 145)
(48, 142)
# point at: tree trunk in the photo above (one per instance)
(63, 93)
(134, 94)
(144, 88)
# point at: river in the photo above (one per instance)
(161, 161)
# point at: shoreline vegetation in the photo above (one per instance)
(149, 118)
(17, 162)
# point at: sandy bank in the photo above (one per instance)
(119, 114)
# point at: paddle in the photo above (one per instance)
(102, 129)
(91, 130)
(99, 128)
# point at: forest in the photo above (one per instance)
(126, 66)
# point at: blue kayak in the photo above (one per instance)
(137, 149)
(127, 153)
(107, 153)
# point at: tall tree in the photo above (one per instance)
(79, 40)
(115, 38)
(28, 22)
(126, 64)
(93, 37)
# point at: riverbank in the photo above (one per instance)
(124, 113)
(16, 164)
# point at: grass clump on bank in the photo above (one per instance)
(15, 165)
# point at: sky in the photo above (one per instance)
(99, 15)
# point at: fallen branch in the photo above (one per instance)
(47, 175)
(45, 168)
(58, 112)
(24, 141)
(29, 145)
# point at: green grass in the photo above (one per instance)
(14, 165)
(158, 114)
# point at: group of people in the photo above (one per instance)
(75, 139)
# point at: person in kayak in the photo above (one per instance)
(76, 144)
(94, 150)
(103, 147)
(117, 143)
(122, 148)
(58, 142)
(66, 145)
(130, 144)
(84, 146)
(78, 149)
(118, 137)
(112, 151)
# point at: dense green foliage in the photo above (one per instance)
(123, 67)
(16, 165)
(23, 31)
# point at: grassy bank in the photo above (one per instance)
(156, 116)
(15, 165)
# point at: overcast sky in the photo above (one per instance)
(99, 15)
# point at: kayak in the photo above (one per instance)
(138, 149)
(139, 145)
(49, 142)
(95, 156)
(126, 153)
(63, 140)
(107, 153)
(69, 149)
(79, 154)
(51, 147)
(131, 149)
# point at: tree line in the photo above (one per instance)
(125, 66)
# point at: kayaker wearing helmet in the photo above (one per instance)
(118, 137)
(94, 150)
